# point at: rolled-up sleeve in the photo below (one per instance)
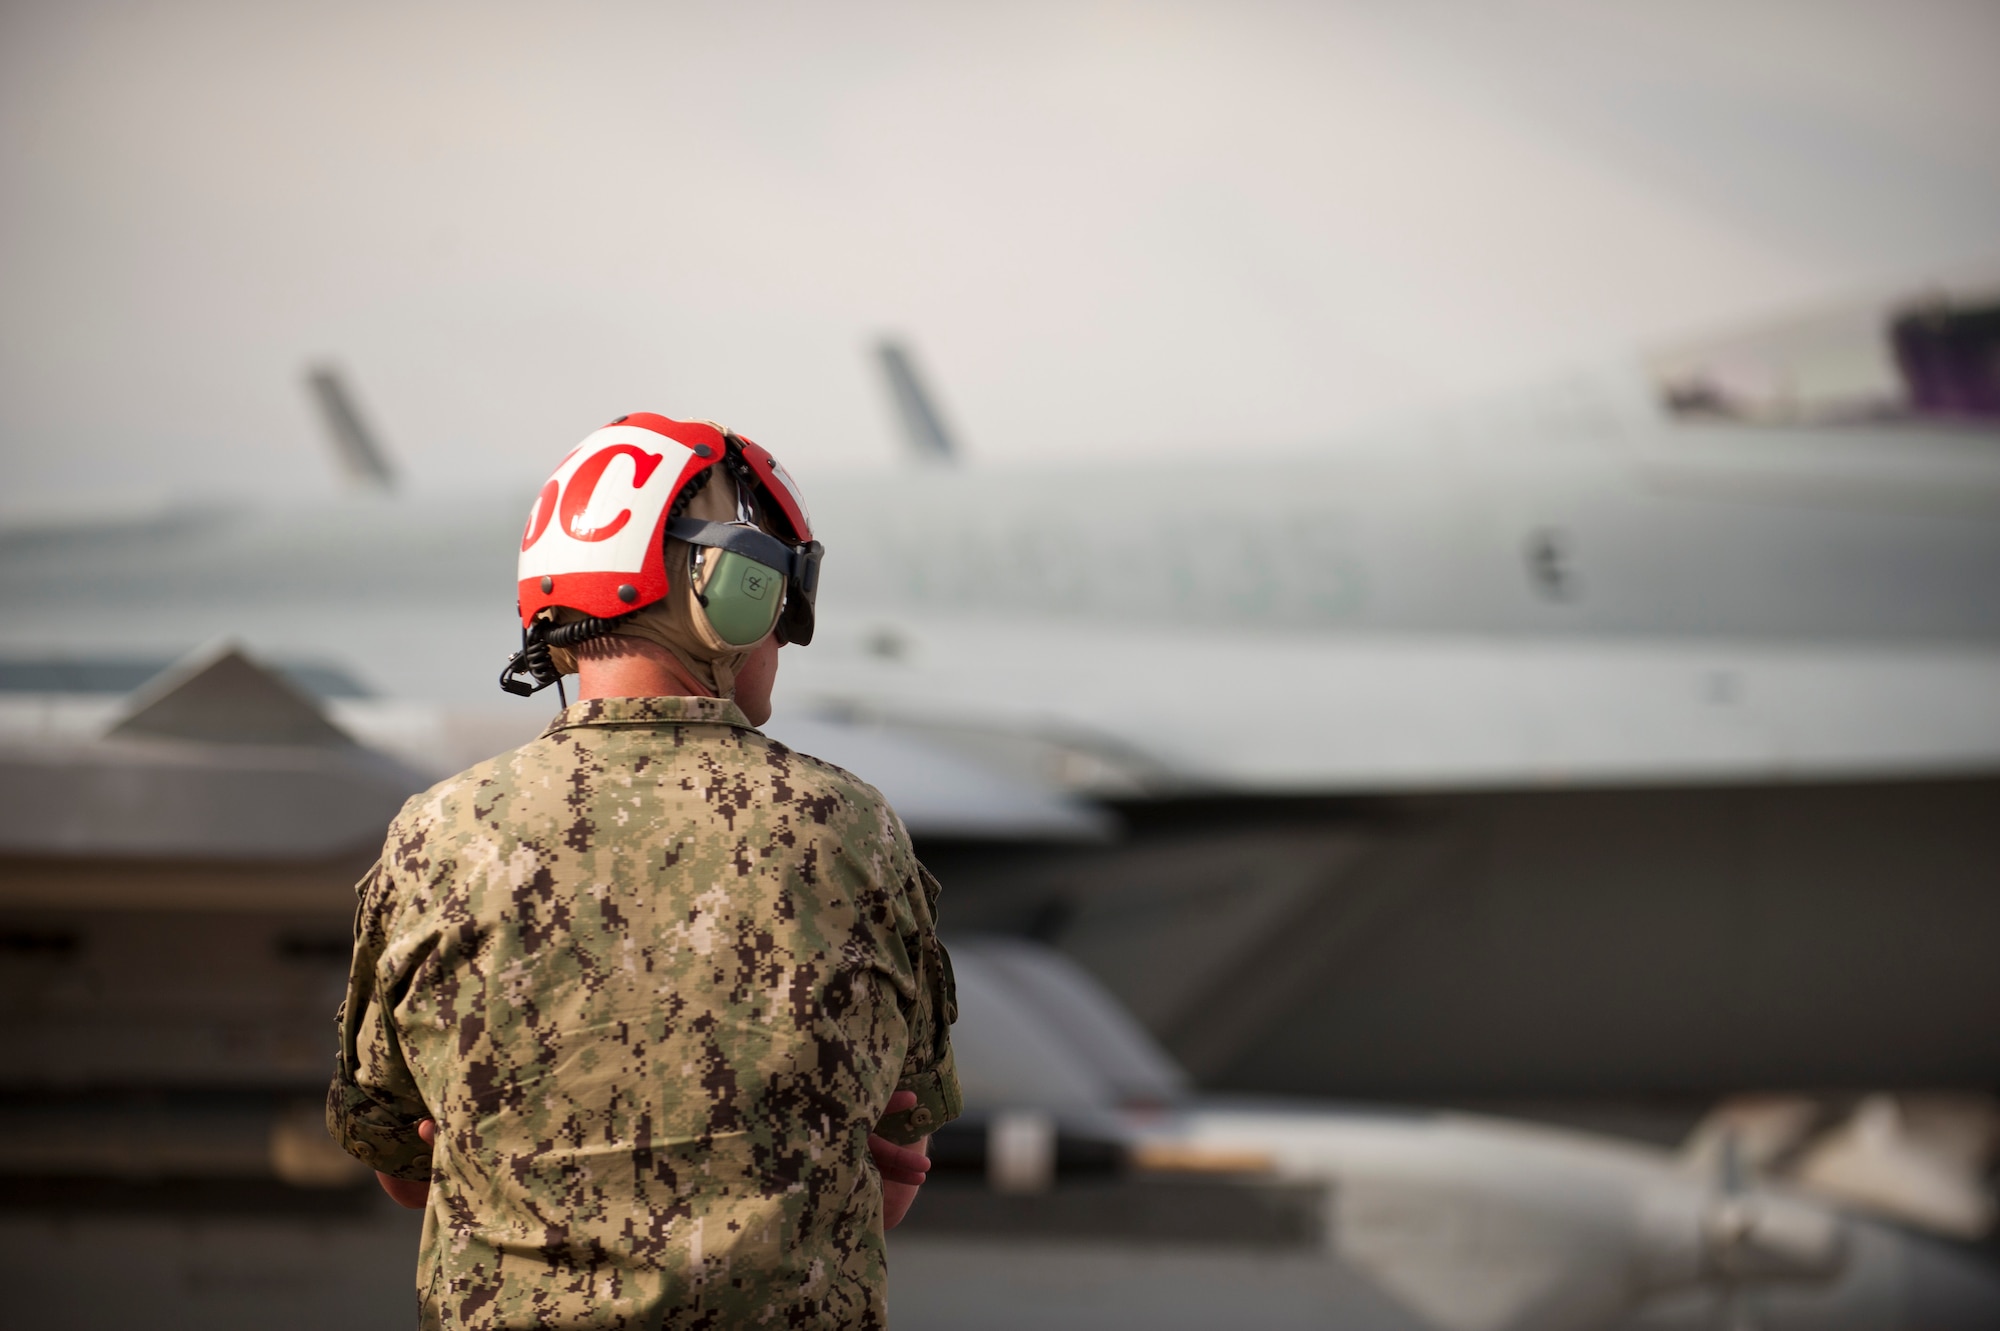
(373, 1106)
(928, 1070)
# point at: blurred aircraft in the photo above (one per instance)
(1627, 579)
(1117, 1189)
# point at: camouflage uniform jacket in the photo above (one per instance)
(655, 976)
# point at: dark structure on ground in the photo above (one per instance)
(1665, 944)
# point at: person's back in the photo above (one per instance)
(655, 977)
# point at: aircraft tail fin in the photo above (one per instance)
(923, 428)
(360, 454)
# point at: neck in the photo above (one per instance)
(619, 667)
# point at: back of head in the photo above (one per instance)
(677, 533)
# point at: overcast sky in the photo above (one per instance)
(1132, 229)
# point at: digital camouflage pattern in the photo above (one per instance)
(655, 976)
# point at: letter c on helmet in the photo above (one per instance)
(545, 508)
(583, 484)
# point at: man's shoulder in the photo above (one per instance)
(813, 783)
(807, 769)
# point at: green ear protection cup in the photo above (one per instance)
(743, 597)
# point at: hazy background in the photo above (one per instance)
(1133, 229)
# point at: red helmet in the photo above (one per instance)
(596, 537)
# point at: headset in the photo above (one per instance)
(742, 577)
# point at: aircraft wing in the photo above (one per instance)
(1135, 710)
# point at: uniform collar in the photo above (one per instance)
(649, 712)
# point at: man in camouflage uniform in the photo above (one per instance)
(656, 978)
